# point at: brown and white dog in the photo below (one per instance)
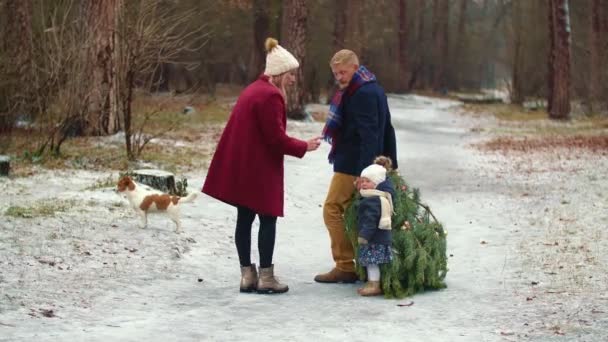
(145, 200)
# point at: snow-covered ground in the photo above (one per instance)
(90, 274)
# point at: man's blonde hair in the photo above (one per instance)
(344, 57)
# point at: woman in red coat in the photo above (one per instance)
(247, 168)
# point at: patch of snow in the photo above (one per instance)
(110, 280)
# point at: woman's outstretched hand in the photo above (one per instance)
(313, 143)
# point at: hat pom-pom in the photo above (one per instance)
(270, 44)
(384, 161)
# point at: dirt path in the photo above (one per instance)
(185, 287)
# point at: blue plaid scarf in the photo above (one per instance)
(331, 131)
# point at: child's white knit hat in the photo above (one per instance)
(278, 60)
(375, 173)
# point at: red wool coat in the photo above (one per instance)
(247, 167)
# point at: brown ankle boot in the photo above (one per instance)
(371, 288)
(337, 276)
(249, 278)
(267, 283)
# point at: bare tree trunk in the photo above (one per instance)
(294, 40)
(440, 39)
(101, 116)
(127, 101)
(340, 24)
(404, 72)
(597, 53)
(460, 42)
(604, 30)
(160, 77)
(604, 46)
(359, 34)
(352, 26)
(18, 43)
(420, 7)
(434, 65)
(339, 38)
(348, 31)
(114, 97)
(261, 30)
(558, 100)
(353, 32)
(517, 91)
(420, 73)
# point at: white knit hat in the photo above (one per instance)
(278, 60)
(375, 173)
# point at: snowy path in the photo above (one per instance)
(433, 157)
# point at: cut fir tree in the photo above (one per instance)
(418, 243)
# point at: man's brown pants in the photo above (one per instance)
(338, 198)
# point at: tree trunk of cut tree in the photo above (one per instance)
(158, 179)
(4, 165)
(558, 100)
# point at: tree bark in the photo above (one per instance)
(354, 31)
(359, 33)
(5, 165)
(558, 99)
(404, 73)
(18, 44)
(126, 104)
(597, 52)
(101, 116)
(338, 39)
(261, 30)
(340, 24)
(158, 179)
(420, 9)
(295, 13)
(460, 42)
(517, 91)
(420, 73)
(440, 39)
(604, 46)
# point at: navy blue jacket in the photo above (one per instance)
(366, 130)
(368, 216)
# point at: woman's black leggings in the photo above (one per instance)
(266, 236)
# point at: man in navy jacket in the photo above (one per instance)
(359, 129)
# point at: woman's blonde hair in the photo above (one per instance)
(344, 57)
(279, 82)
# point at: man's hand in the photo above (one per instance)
(358, 183)
(361, 241)
(313, 143)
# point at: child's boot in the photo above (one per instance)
(371, 288)
(249, 278)
(267, 283)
